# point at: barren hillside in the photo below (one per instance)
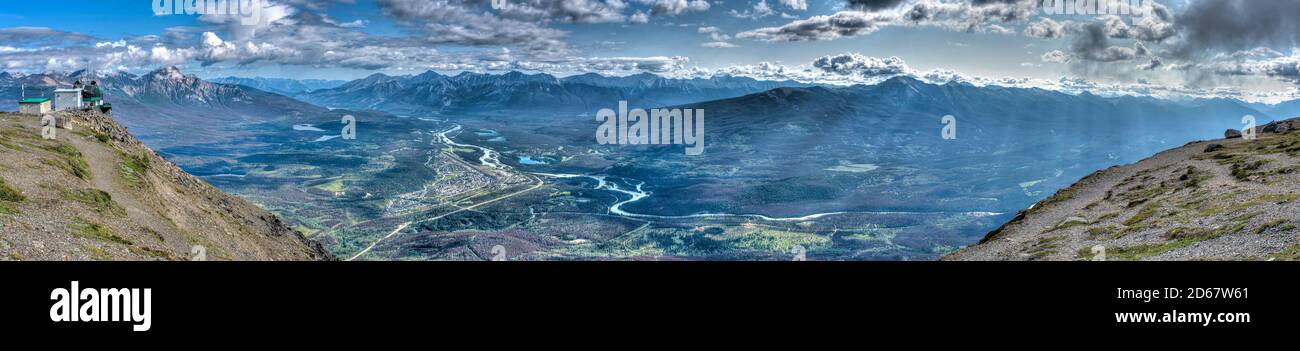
(96, 193)
(1230, 199)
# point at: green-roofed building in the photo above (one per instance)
(34, 106)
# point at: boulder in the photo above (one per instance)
(1213, 147)
(1281, 127)
(1231, 134)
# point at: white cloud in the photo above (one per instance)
(567, 11)
(1045, 28)
(719, 45)
(800, 5)
(838, 25)
(639, 18)
(760, 10)
(675, 7)
(1056, 56)
(984, 16)
(857, 64)
(111, 44)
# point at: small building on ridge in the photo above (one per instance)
(34, 106)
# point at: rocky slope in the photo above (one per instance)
(1232, 199)
(96, 193)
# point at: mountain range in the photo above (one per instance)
(168, 108)
(432, 93)
(282, 86)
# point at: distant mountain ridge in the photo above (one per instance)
(434, 93)
(167, 107)
(282, 86)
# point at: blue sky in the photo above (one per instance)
(1234, 48)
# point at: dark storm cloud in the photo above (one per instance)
(1093, 43)
(873, 5)
(1233, 25)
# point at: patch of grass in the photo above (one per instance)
(1233, 229)
(1069, 223)
(1277, 198)
(9, 145)
(1103, 231)
(1228, 159)
(8, 208)
(1247, 217)
(98, 200)
(1140, 194)
(8, 193)
(1194, 177)
(155, 234)
(20, 134)
(133, 167)
(1044, 247)
(97, 253)
(1043, 253)
(62, 149)
(150, 252)
(1178, 238)
(1245, 170)
(1184, 233)
(1060, 196)
(1138, 252)
(1291, 253)
(72, 160)
(77, 168)
(1270, 225)
(83, 228)
(1145, 213)
(1086, 253)
(8, 197)
(103, 138)
(1206, 209)
(1050, 239)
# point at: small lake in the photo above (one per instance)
(307, 128)
(528, 160)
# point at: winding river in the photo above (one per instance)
(491, 158)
